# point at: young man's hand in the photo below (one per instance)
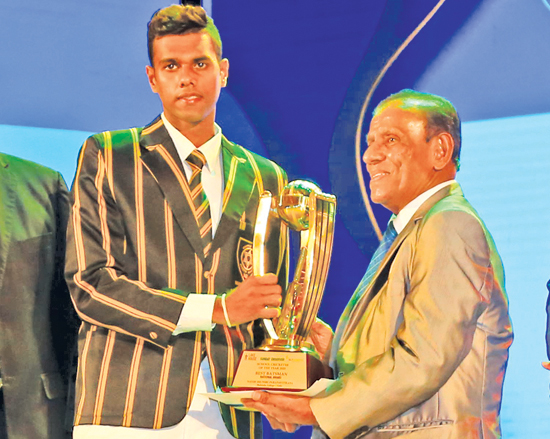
(258, 297)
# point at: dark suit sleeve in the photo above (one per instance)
(63, 318)
(102, 292)
(450, 281)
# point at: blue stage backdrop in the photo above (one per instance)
(304, 78)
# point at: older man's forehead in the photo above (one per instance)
(395, 117)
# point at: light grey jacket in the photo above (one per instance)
(424, 351)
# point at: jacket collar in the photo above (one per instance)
(160, 157)
(239, 184)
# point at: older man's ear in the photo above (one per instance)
(443, 147)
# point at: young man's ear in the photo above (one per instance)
(150, 71)
(443, 148)
(224, 71)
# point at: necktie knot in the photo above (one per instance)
(390, 234)
(196, 159)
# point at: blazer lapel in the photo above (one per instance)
(239, 182)
(161, 159)
(381, 276)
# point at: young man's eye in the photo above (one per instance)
(201, 65)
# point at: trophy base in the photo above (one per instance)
(289, 371)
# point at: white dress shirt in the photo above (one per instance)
(203, 420)
(404, 216)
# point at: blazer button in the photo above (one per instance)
(153, 335)
(206, 274)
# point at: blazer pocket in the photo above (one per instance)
(53, 385)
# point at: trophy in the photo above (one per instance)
(285, 360)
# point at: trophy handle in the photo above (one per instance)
(265, 216)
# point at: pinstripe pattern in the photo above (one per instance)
(108, 152)
(170, 247)
(230, 355)
(234, 426)
(140, 220)
(80, 251)
(163, 383)
(79, 246)
(252, 425)
(194, 373)
(100, 395)
(132, 260)
(257, 173)
(82, 359)
(229, 184)
(132, 383)
(241, 337)
(103, 210)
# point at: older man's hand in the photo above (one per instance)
(284, 412)
(321, 336)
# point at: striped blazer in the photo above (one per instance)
(134, 253)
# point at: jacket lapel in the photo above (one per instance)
(160, 158)
(354, 316)
(239, 182)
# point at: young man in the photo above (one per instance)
(421, 349)
(158, 253)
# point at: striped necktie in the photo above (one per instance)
(385, 243)
(201, 207)
(387, 240)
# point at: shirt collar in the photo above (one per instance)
(210, 149)
(404, 216)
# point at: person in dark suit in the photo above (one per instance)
(37, 321)
(421, 350)
(159, 253)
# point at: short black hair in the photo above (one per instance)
(181, 20)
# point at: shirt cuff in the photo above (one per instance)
(196, 314)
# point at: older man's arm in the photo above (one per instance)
(448, 291)
(450, 285)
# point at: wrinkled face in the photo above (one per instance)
(398, 158)
(188, 77)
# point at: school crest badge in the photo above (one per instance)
(244, 258)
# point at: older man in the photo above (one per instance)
(421, 349)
